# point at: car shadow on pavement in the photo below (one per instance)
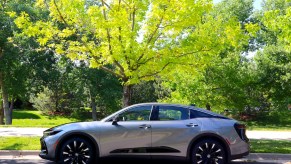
(127, 161)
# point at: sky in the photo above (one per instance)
(257, 4)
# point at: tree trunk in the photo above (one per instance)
(1, 103)
(7, 112)
(127, 95)
(1, 113)
(94, 112)
(208, 107)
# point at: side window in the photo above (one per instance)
(141, 113)
(166, 113)
(198, 114)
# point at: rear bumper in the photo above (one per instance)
(237, 156)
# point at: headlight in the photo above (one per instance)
(50, 132)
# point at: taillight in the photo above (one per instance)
(241, 131)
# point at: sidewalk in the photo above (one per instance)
(253, 157)
(16, 132)
(272, 135)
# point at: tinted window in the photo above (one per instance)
(141, 113)
(198, 114)
(165, 113)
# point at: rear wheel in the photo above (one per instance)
(208, 152)
(76, 151)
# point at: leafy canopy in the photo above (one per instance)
(137, 39)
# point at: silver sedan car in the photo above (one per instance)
(149, 130)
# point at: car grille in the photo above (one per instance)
(43, 146)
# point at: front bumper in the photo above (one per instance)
(48, 145)
(44, 151)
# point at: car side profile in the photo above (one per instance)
(150, 129)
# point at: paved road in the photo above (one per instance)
(31, 157)
(40, 161)
(275, 135)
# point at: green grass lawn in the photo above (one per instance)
(257, 146)
(19, 143)
(271, 146)
(26, 118)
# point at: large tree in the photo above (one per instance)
(134, 40)
(9, 65)
(15, 57)
(225, 79)
(274, 59)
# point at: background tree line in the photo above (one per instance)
(63, 56)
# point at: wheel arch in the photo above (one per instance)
(213, 136)
(76, 134)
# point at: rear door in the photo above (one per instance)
(172, 130)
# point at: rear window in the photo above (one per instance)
(198, 114)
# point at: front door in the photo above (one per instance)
(131, 135)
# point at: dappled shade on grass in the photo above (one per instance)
(25, 114)
(28, 118)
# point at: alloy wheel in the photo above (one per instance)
(208, 152)
(76, 151)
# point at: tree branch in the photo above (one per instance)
(60, 14)
(109, 42)
(155, 73)
(193, 52)
(106, 4)
(133, 19)
(111, 71)
(152, 35)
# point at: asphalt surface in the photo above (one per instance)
(31, 157)
(41, 161)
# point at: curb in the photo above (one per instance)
(268, 156)
(19, 152)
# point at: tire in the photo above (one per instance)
(76, 151)
(208, 152)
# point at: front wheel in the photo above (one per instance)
(76, 151)
(208, 152)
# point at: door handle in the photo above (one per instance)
(192, 125)
(144, 126)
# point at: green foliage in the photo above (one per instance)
(138, 38)
(271, 120)
(43, 101)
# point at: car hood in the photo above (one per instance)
(76, 126)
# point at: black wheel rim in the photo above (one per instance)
(209, 153)
(76, 152)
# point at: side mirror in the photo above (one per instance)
(115, 120)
